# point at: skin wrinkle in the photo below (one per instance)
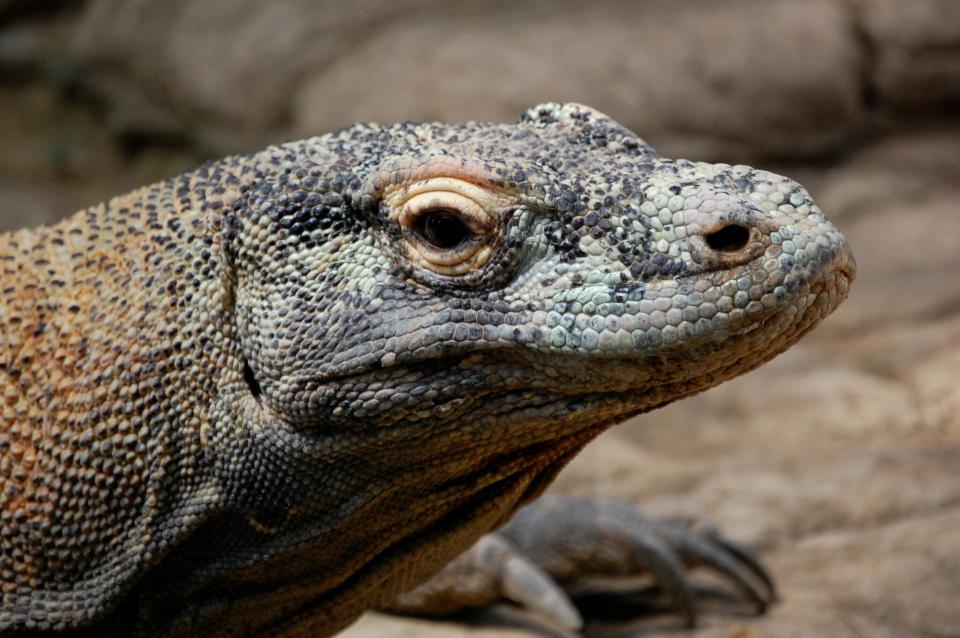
(245, 381)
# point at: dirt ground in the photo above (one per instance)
(840, 460)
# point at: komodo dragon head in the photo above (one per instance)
(425, 322)
(435, 318)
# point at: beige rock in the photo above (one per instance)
(735, 79)
(697, 79)
(891, 288)
(934, 383)
(896, 201)
(703, 79)
(917, 62)
(233, 60)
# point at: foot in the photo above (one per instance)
(554, 545)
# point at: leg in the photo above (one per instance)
(555, 543)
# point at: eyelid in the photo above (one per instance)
(482, 196)
(481, 200)
(478, 220)
(458, 259)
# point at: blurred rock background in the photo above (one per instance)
(840, 461)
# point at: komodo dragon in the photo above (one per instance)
(263, 396)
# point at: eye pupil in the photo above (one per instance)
(443, 229)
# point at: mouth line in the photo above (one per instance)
(841, 265)
(825, 280)
(846, 268)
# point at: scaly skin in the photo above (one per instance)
(264, 396)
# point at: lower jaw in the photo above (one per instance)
(761, 341)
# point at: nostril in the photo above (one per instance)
(728, 239)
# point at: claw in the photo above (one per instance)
(668, 570)
(530, 587)
(747, 557)
(708, 552)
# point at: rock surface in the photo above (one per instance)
(741, 78)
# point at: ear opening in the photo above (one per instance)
(251, 380)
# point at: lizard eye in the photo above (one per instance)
(442, 228)
(447, 231)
